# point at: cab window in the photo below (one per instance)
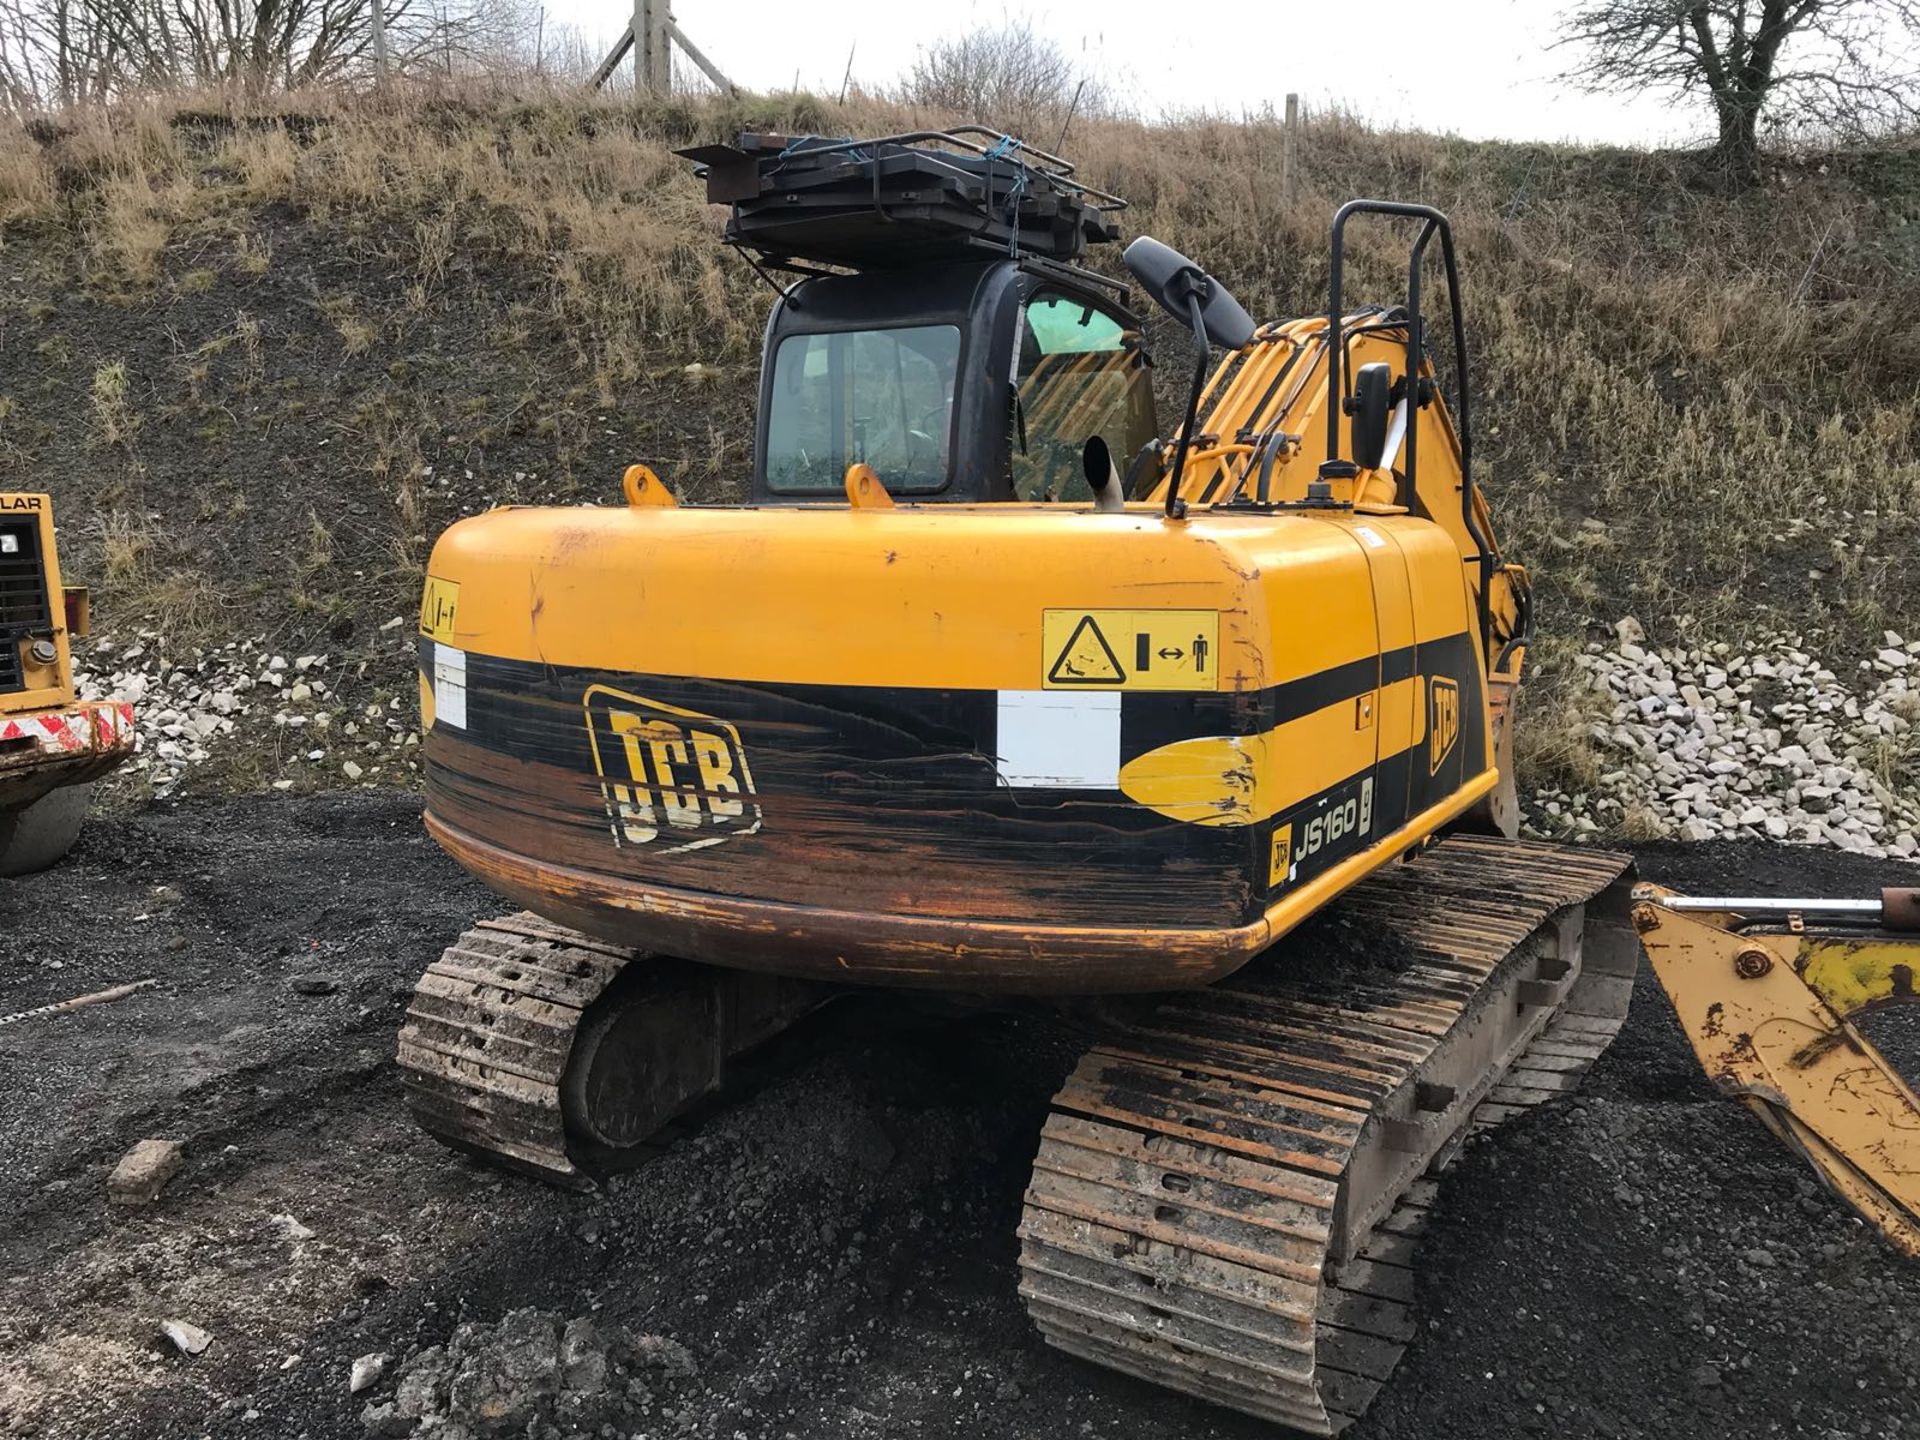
(881, 397)
(1079, 373)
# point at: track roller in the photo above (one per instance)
(564, 1057)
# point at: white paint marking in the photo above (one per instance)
(1059, 738)
(449, 686)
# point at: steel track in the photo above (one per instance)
(1228, 1190)
(488, 1034)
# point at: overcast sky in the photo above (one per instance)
(1479, 68)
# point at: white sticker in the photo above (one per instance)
(1371, 536)
(449, 686)
(1059, 739)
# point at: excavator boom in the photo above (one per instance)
(1766, 991)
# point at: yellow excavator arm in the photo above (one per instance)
(1766, 991)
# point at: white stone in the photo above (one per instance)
(366, 1371)
(187, 1339)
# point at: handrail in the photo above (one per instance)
(1334, 467)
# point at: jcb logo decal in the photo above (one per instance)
(1280, 866)
(671, 777)
(1443, 720)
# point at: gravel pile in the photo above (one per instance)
(242, 695)
(1765, 743)
(534, 1375)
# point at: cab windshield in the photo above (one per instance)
(879, 397)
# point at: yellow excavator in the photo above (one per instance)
(53, 745)
(992, 689)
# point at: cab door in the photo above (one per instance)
(1079, 370)
(1395, 704)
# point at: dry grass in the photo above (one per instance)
(114, 416)
(183, 604)
(150, 585)
(124, 544)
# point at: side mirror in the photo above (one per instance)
(1371, 406)
(1196, 299)
(1173, 281)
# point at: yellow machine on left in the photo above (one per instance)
(53, 745)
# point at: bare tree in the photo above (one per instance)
(75, 52)
(1845, 66)
(1008, 77)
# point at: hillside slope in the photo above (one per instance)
(261, 359)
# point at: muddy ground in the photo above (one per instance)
(835, 1247)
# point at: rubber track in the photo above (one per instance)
(1178, 1223)
(487, 1037)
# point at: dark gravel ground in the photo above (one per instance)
(835, 1247)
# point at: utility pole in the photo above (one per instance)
(377, 9)
(651, 35)
(1289, 146)
(652, 59)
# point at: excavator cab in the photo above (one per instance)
(932, 324)
(971, 382)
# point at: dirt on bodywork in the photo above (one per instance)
(831, 1252)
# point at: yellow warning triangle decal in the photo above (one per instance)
(1086, 659)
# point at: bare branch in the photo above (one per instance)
(1011, 78)
(1845, 67)
(71, 52)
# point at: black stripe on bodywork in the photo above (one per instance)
(960, 720)
(1151, 718)
(924, 758)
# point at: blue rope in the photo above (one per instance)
(779, 161)
(1008, 148)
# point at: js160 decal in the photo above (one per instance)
(1346, 818)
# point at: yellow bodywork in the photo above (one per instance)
(1280, 382)
(47, 683)
(1258, 706)
(1769, 1015)
(1294, 593)
(48, 738)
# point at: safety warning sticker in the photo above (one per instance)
(1130, 649)
(439, 604)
